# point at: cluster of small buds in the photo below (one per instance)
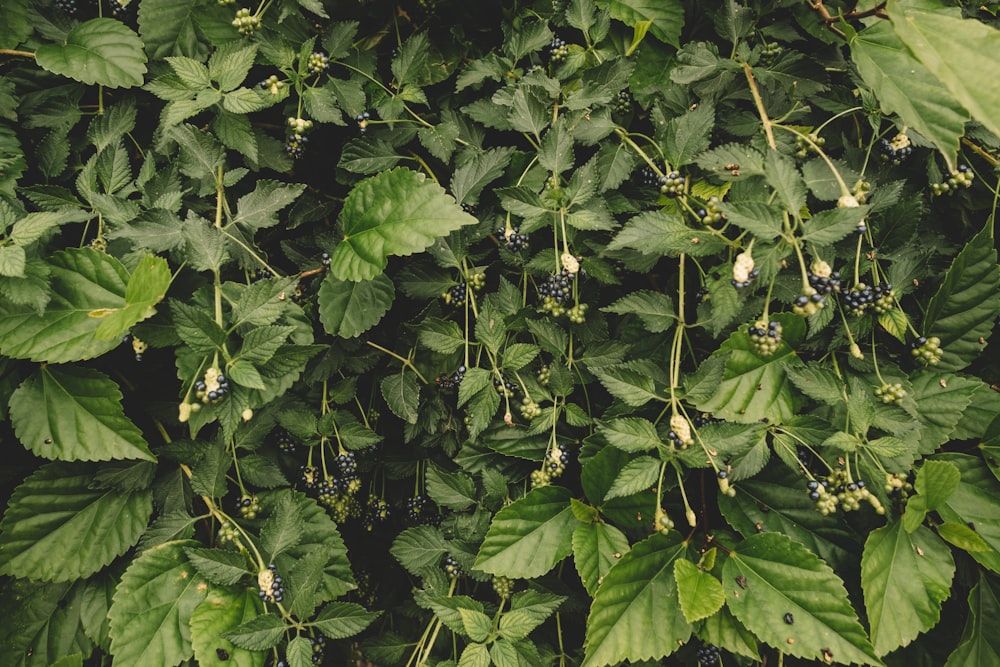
(765, 337)
(272, 84)
(744, 270)
(318, 644)
(228, 533)
(249, 506)
(377, 514)
(622, 103)
(269, 585)
(927, 351)
(891, 393)
(577, 314)
(226, 3)
(661, 522)
(138, 347)
(451, 567)
(804, 146)
(558, 50)
(896, 151)
(823, 278)
(502, 586)
(296, 137)
(318, 62)
(504, 387)
(680, 431)
(839, 491)
(711, 214)
(529, 409)
(898, 485)
(512, 238)
(213, 388)
(672, 184)
(451, 382)
(362, 120)
(769, 52)
(862, 297)
(809, 302)
(708, 655)
(542, 375)
(961, 178)
(246, 22)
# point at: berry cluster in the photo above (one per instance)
(765, 337)
(961, 178)
(269, 585)
(455, 294)
(529, 409)
(822, 279)
(661, 522)
(451, 567)
(711, 214)
(285, 442)
(318, 62)
(420, 510)
(927, 351)
(362, 120)
(504, 387)
(623, 103)
(672, 184)
(577, 314)
(377, 514)
(556, 289)
(246, 22)
(680, 432)
(649, 177)
(898, 485)
(862, 297)
(891, 393)
(213, 388)
(809, 302)
(896, 151)
(249, 506)
(838, 490)
(542, 375)
(228, 533)
(513, 239)
(558, 50)
(770, 51)
(451, 382)
(744, 271)
(503, 586)
(554, 465)
(272, 84)
(68, 7)
(804, 146)
(708, 656)
(295, 137)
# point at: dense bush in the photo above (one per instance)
(570, 332)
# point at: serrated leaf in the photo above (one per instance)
(666, 234)
(168, 28)
(259, 209)
(905, 576)
(831, 225)
(258, 634)
(454, 490)
(402, 394)
(397, 212)
(319, 532)
(146, 287)
(348, 308)
(339, 620)
(700, 593)
(636, 613)
(222, 610)
(597, 547)
(201, 155)
(475, 655)
(152, 608)
(530, 536)
(962, 311)
(906, 87)
(43, 621)
(688, 135)
(72, 413)
(954, 50)
(299, 652)
(262, 303)
(639, 474)
(528, 610)
(633, 382)
(368, 156)
(780, 577)
(477, 170)
(665, 17)
(231, 62)
(940, 401)
(419, 548)
(219, 566)
(631, 434)
(980, 644)
(283, 528)
(654, 309)
(58, 528)
(759, 218)
(101, 51)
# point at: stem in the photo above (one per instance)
(16, 54)
(403, 360)
(760, 107)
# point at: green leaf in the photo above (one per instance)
(299, 652)
(755, 387)
(43, 621)
(258, 634)
(348, 308)
(666, 234)
(146, 287)
(397, 212)
(490, 329)
(283, 528)
(201, 155)
(259, 209)
(596, 548)
(760, 219)
(58, 528)
(633, 382)
(655, 309)
(778, 577)
(636, 612)
(637, 475)
(666, 16)
(12, 261)
(784, 177)
(700, 593)
(339, 620)
(631, 434)
(940, 401)
(34, 226)
(967, 302)
(528, 610)
(905, 576)
(152, 608)
(475, 655)
(402, 394)
(961, 536)
(83, 281)
(955, 50)
(222, 610)
(454, 490)
(980, 644)
(476, 170)
(263, 302)
(230, 63)
(168, 28)
(528, 537)
(101, 51)
(518, 355)
(688, 135)
(477, 625)
(73, 413)
(975, 503)
(906, 87)
(320, 533)
(829, 226)
(15, 27)
(219, 566)
(419, 548)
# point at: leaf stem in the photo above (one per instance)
(764, 119)
(406, 362)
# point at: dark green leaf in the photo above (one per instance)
(666, 16)
(258, 634)
(339, 620)
(419, 548)
(101, 51)
(980, 644)
(655, 309)
(222, 610)
(219, 566)
(402, 394)
(259, 209)
(597, 547)
(348, 309)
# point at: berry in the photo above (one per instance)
(451, 382)
(708, 656)
(245, 22)
(318, 62)
(228, 533)
(577, 314)
(556, 289)
(504, 387)
(765, 337)
(503, 586)
(623, 103)
(649, 177)
(513, 239)
(451, 567)
(558, 50)
(285, 442)
(809, 302)
(839, 491)
(927, 351)
(711, 214)
(420, 510)
(822, 279)
(806, 146)
(770, 51)
(249, 506)
(672, 184)
(362, 121)
(891, 393)
(455, 294)
(377, 513)
(269, 585)
(896, 151)
(529, 409)
(960, 178)
(272, 84)
(213, 388)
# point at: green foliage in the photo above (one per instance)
(582, 332)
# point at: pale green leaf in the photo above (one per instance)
(654, 309)
(666, 16)
(397, 212)
(72, 413)
(596, 548)
(402, 394)
(700, 593)
(348, 308)
(222, 610)
(339, 620)
(475, 655)
(631, 434)
(258, 634)
(102, 51)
